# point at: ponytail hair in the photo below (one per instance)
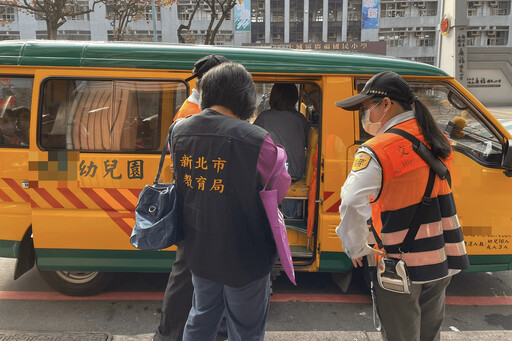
(438, 142)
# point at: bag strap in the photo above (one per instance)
(436, 167)
(164, 152)
(405, 246)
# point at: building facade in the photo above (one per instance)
(410, 29)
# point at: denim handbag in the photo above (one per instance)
(156, 215)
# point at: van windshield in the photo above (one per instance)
(468, 133)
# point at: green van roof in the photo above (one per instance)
(182, 57)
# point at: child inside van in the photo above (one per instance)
(8, 129)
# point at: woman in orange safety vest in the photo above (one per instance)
(387, 184)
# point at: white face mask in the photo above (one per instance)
(370, 127)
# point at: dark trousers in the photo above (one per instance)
(177, 301)
(246, 309)
(412, 317)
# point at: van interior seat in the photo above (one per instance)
(99, 126)
(300, 188)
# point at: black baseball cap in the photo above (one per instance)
(384, 84)
(206, 63)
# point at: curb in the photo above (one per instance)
(505, 335)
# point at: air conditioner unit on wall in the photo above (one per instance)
(493, 3)
(491, 33)
(404, 4)
(477, 4)
(472, 34)
(421, 4)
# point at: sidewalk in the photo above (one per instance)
(505, 335)
(270, 336)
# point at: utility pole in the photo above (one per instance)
(452, 52)
(153, 9)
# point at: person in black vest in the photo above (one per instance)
(178, 292)
(221, 163)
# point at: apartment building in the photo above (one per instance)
(408, 28)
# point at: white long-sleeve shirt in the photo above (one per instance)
(359, 187)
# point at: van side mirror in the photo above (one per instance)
(506, 161)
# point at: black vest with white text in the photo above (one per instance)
(228, 237)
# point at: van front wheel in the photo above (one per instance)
(77, 283)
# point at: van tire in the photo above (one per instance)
(77, 283)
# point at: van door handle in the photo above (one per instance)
(319, 201)
(25, 184)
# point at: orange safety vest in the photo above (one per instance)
(439, 243)
(187, 108)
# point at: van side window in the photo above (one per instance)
(15, 104)
(467, 132)
(106, 115)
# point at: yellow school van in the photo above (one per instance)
(82, 125)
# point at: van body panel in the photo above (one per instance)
(481, 207)
(9, 248)
(93, 193)
(104, 260)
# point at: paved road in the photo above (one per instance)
(316, 309)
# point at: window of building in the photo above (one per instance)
(277, 11)
(8, 13)
(9, 35)
(257, 11)
(277, 32)
(396, 38)
(393, 9)
(148, 12)
(79, 6)
(66, 35)
(425, 38)
(497, 37)
(474, 8)
(316, 11)
(15, 104)
(224, 38)
(334, 21)
(258, 32)
(137, 35)
(296, 11)
(296, 32)
(426, 8)
(315, 32)
(426, 60)
(499, 7)
(354, 9)
(106, 115)
(185, 11)
(335, 10)
(473, 36)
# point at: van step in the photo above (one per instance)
(299, 251)
(296, 228)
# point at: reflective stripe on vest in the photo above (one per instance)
(439, 244)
